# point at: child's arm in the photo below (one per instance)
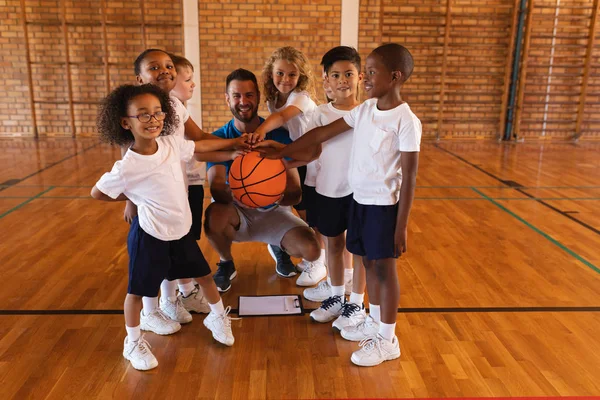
(219, 156)
(98, 195)
(409, 162)
(130, 211)
(312, 138)
(193, 131)
(217, 181)
(214, 143)
(274, 121)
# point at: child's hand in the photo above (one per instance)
(242, 143)
(254, 138)
(236, 153)
(130, 212)
(400, 240)
(269, 149)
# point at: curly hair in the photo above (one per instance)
(114, 107)
(305, 81)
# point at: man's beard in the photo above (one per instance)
(236, 114)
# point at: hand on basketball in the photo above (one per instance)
(269, 149)
(400, 240)
(240, 152)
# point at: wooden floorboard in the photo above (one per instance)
(500, 288)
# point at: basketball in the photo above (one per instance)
(256, 181)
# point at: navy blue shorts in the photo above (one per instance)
(196, 200)
(309, 196)
(332, 219)
(302, 205)
(371, 231)
(151, 260)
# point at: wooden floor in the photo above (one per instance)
(500, 288)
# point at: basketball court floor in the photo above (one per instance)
(500, 288)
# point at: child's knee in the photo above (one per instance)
(336, 245)
(204, 280)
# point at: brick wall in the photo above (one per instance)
(102, 40)
(237, 34)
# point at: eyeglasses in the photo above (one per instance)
(159, 116)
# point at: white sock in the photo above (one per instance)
(149, 305)
(357, 298)
(337, 291)
(329, 280)
(133, 333)
(387, 331)
(375, 312)
(217, 308)
(168, 289)
(187, 288)
(348, 273)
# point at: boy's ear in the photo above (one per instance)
(139, 80)
(397, 76)
(125, 124)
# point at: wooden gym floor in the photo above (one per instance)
(500, 288)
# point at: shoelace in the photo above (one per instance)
(349, 308)
(309, 269)
(162, 315)
(226, 318)
(370, 343)
(143, 345)
(366, 323)
(323, 286)
(328, 303)
(179, 306)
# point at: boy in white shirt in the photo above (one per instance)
(382, 175)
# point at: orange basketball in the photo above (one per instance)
(256, 181)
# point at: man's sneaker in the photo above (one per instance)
(319, 293)
(368, 328)
(302, 265)
(139, 354)
(285, 267)
(312, 274)
(330, 309)
(352, 315)
(375, 350)
(225, 273)
(195, 302)
(158, 322)
(220, 326)
(175, 310)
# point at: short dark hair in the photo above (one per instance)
(181, 62)
(241, 74)
(396, 58)
(137, 64)
(340, 53)
(114, 107)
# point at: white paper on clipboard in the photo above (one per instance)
(270, 305)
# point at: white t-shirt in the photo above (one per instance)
(155, 184)
(195, 170)
(375, 172)
(297, 125)
(330, 176)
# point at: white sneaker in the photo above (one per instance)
(175, 310)
(348, 281)
(302, 265)
(220, 326)
(366, 329)
(139, 354)
(330, 309)
(319, 293)
(312, 274)
(375, 350)
(158, 323)
(195, 302)
(352, 315)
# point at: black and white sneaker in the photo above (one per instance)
(285, 267)
(225, 273)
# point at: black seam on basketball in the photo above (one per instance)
(242, 179)
(260, 194)
(250, 197)
(253, 169)
(256, 183)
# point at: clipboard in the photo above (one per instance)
(271, 305)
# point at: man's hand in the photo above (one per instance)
(400, 237)
(269, 149)
(254, 138)
(130, 212)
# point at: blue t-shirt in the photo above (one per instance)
(229, 131)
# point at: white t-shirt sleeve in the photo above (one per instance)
(409, 136)
(185, 147)
(180, 110)
(300, 100)
(350, 118)
(314, 121)
(112, 183)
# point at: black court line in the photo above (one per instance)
(13, 182)
(421, 310)
(519, 188)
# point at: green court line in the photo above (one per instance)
(544, 234)
(25, 202)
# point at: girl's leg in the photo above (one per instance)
(218, 320)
